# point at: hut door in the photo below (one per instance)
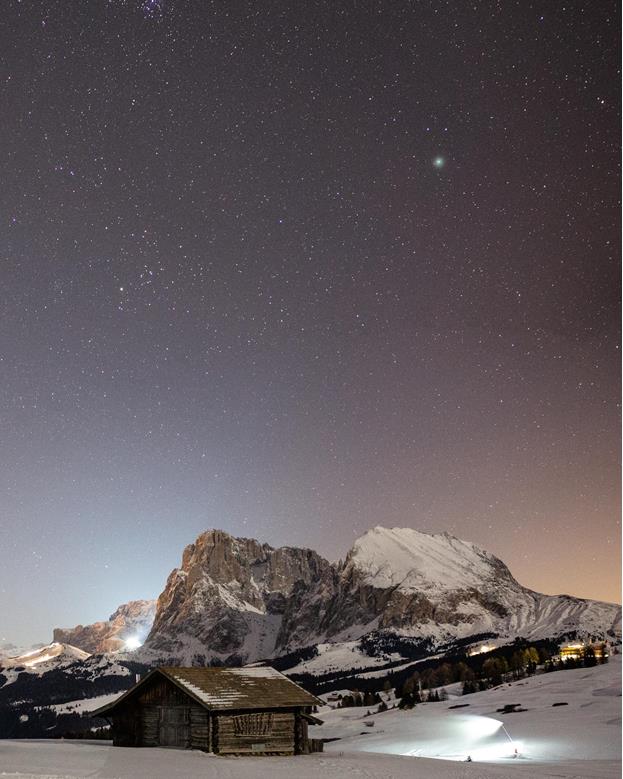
(174, 726)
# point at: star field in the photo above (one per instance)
(297, 269)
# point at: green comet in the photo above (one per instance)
(439, 162)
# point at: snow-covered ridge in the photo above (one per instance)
(235, 600)
(412, 559)
(400, 594)
(54, 652)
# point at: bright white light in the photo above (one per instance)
(505, 750)
(479, 727)
(452, 737)
(133, 642)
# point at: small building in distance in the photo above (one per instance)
(253, 710)
(578, 650)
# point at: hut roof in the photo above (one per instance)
(229, 688)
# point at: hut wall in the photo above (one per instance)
(149, 725)
(126, 727)
(161, 691)
(199, 728)
(301, 742)
(140, 721)
(254, 733)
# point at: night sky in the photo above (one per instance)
(296, 269)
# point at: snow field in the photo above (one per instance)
(587, 728)
(580, 740)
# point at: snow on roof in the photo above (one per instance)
(259, 672)
(225, 697)
(231, 688)
(224, 688)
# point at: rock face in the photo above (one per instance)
(235, 600)
(131, 620)
(230, 597)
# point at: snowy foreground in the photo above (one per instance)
(580, 740)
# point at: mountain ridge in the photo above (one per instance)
(398, 598)
(127, 625)
(238, 600)
(235, 600)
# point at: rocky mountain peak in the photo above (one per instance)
(244, 564)
(238, 600)
(228, 590)
(131, 620)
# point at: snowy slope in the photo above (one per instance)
(587, 728)
(41, 659)
(341, 656)
(577, 741)
(84, 705)
(417, 561)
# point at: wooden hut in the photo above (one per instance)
(223, 710)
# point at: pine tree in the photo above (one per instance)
(589, 657)
(445, 674)
(544, 655)
(463, 672)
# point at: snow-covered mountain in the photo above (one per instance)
(38, 662)
(399, 596)
(438, 587)
(127, 627)
(56, 654)
(236, 600)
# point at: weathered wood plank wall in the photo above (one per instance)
(199, 728)
(149, 726)
(232, 737)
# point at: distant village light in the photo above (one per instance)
(578, 650)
